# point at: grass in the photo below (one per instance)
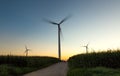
(19, 65)
(98, 71)
(7, 70)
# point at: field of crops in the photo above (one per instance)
(87, 63)
(110, 59)
(18, 65)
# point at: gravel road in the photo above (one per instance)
(58, 69)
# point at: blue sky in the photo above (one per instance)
(93, 21)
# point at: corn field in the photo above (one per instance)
(31, 61)
(110, 59)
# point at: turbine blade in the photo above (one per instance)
(66, 18)
(51, 22)
(83, 46)
(29, 49)
(25, 47)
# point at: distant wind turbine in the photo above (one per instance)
(86, 46)
(59, 32)
(26, 50)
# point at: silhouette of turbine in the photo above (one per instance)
(86, 46)
(59, 33)
(26, 50)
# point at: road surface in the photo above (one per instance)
(59, 69)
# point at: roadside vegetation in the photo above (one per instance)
(98, 71)
(18, 65)
(95, 64)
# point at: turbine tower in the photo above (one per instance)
(59, 32)
(26, 50)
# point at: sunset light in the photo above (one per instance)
(92, 21)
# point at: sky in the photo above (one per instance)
(92, 21)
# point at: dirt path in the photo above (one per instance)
(59, 69)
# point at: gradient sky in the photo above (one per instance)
(93, 21)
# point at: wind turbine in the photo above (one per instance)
(86, 46)
(59, 32)
(26, 50)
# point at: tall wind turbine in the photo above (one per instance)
(26, 50)
(86, 46)
(59, 32)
